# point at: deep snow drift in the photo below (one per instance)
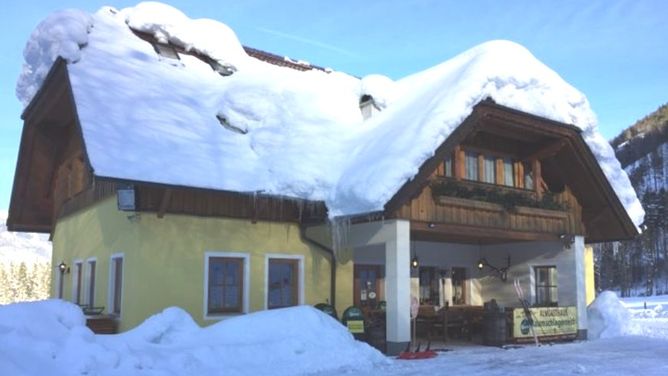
(49, 338)
(304, 133)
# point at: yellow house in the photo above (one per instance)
(154, 199)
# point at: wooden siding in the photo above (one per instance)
(199, 202)
(208, 203)
(479, 215)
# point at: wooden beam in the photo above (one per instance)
(166, 196)
(547, 151)
(475, 233)
(458, 163)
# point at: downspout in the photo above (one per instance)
(332, 282)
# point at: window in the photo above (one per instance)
(60, 278)
(447, 167)
(283, 282)
(429, 281)
(77, 279)
(225, 285)
(368, 285)
(528, 175)
(471, 165)
(489, 170)
(508, 173)
(90, 283)
(458, 286)
(166, 50)
(546, 285)
(115, 284)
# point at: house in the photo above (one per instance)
(173, 168)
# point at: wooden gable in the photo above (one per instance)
(52, 165)
(560, 160)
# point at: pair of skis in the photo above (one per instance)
(417, 354)
(525, 307)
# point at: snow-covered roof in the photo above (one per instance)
(149, 118)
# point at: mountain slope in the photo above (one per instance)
(640, 267)
(17, 247)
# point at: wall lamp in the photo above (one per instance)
(63, 268)
(415, 262)
(502, 272)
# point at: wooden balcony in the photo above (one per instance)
(448, 218)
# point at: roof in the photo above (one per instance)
(148, 118)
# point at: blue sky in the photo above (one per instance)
(616, 52)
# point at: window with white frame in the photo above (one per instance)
(546, 285)
(284, 281)
(89, 298)
(77, 282)
(226, 283)
(115, 284)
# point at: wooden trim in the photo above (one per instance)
(476, 233)
(466, 203)
(500, 172)
(545, 151)
(459, 162)
(165, 201)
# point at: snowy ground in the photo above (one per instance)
(48, 338)
(642, 349)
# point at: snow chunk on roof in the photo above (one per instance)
(62, 34)
(169, 25)
(300, 134)
(381, 88)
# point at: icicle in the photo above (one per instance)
(339, 228)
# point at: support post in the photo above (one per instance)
(397, 280)
(580, 285)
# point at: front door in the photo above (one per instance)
(368, 286)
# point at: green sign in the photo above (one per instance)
(355, 326)
(547, 321)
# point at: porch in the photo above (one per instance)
(393, 263)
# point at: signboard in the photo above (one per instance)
(355, 326)
(548, 322)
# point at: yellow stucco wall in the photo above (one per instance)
(590, 287)
(164, 258)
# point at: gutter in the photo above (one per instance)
(332, 283)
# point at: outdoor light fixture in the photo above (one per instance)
(415, 262)
(431, 225)
(502, 273)
(63, 267)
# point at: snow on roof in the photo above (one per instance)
(148, 118)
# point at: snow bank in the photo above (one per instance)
(304, 133)
(49, 337)
(608, 317)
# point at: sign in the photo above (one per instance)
(355, 326)
(548, 322)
